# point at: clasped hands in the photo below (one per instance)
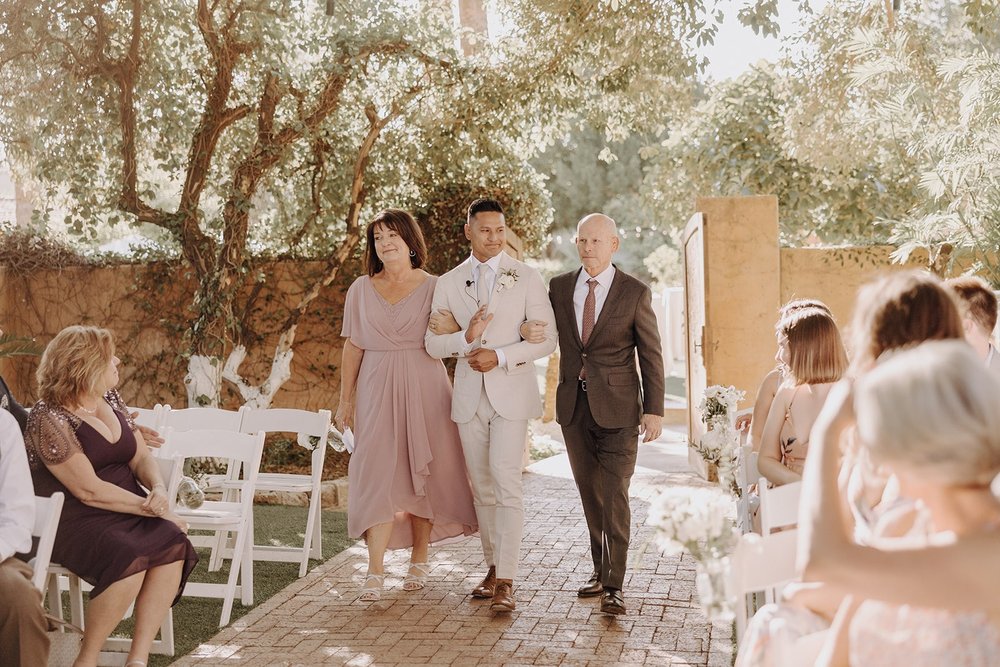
(157, 504)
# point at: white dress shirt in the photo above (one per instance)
(17, 494)
(490, 277)
(604, 279)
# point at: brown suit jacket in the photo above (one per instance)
(625, 328)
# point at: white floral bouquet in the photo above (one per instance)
(699, 521)
(718, 405)
(719, 445)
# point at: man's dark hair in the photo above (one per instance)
(484, 204)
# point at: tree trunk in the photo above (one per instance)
(472, 16)
(203, 381)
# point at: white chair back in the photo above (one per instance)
(312, 431)
(779, 506)
(151, 417)
(189, 419)
(47, 513)
(759, 563)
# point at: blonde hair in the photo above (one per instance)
(73, 363)
(900, 309)
(815, 347)
(932, 409)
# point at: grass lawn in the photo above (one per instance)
(197, 619)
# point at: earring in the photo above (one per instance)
(413, 253)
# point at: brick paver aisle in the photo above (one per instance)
(317, 620)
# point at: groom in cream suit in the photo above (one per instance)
(496, 392)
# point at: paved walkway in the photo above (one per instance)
(317, 621)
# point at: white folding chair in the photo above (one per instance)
(312, 429)
(222, 517)
(47, 512)
(779, 506)
(188, 419)
(759, 563)
(746, 475)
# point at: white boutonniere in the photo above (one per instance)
(506, 279)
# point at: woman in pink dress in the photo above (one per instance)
(408, 486)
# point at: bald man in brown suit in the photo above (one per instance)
(605, 321)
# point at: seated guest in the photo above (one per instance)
(929, 416)
(769, 385)
(812, 351)
(112, 534)
(23, 638)
(894, 311)
(978, 305)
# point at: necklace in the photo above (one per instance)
(87, 411)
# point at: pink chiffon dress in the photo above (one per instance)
(408, 456)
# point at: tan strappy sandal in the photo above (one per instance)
(369, 592)
(416, 577)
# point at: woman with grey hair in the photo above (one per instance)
(929, 416)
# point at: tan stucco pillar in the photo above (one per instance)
(742, 289)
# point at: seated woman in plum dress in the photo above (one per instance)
(408, 482)
(114, 535)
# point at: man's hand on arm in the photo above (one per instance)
(533, 331)
(483, 360)
(651, 427)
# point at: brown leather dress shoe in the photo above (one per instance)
(486, 587)
(612, 602)
(593, 587)
(503, 598)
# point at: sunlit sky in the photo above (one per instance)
(736, 46)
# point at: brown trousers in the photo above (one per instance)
(603, 461)
(24, 641)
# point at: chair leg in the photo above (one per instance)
(55, 597)
(312, 534)
(167, 634)
(246, 576)
(76, 600)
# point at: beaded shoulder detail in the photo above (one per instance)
(117, 404)
(50, 435)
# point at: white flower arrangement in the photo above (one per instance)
(719, 445)
(718, 405)
(506, 279)
(698, 521)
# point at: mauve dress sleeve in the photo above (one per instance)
(352, 310)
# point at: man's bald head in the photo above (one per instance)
(597, 222)
(596, 241)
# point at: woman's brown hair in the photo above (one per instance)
(73, 363)
(901, 309)
(815, 347)
(403, 224)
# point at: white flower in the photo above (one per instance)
(506, 279)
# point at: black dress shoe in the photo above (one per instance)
(593, 588)
(612, 602)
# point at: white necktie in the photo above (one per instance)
(483, 284)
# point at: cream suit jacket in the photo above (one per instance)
(512, 390)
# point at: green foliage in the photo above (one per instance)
(231, 133)
(736, 142)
